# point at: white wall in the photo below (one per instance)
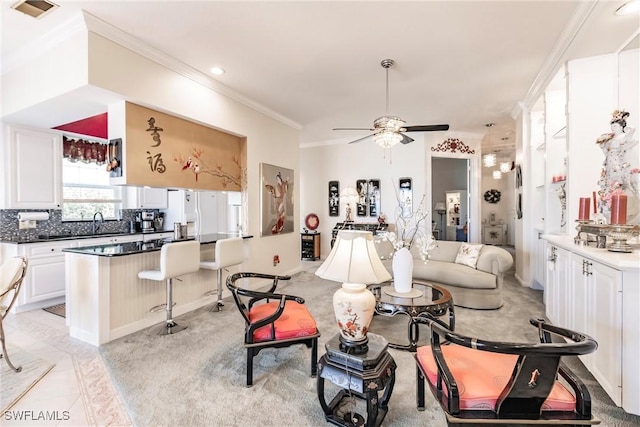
(133, 77)
(347, 163)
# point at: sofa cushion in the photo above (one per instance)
(468, 255)
(453, 274)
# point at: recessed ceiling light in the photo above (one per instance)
(217, 71)
(628, 8)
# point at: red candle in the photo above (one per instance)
(583, 213)
(595, 203)
(618, 209)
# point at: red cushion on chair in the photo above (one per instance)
(481, 376)
(295, 321)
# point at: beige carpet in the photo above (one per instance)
(14, 385)
(196, 377)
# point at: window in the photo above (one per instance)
(86, 190)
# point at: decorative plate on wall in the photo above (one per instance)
(312, 221)
(492, 196)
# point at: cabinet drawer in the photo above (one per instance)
(41, 250)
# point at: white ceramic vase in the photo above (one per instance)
(402, 266)
(353, 305)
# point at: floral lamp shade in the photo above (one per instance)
(354, 261)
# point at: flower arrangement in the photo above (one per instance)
(410, 231)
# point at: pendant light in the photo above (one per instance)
(489, 160)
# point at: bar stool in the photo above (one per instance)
(176, 259)
(228, 252)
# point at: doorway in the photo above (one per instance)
(450, 186)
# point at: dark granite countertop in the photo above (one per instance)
(130, 248)
(42, 238)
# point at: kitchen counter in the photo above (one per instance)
(130, 248)
(106, 300)
(69, 236)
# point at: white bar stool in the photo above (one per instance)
(228, 252)
(176, 259)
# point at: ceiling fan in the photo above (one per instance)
(388, 130)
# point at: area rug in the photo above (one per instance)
(14, 385)
(58, 309)
(197, 377)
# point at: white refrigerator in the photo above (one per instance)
(211, 212)
(203, 212)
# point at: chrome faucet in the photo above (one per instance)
(95, 225)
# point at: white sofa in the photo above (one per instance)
(479, 288)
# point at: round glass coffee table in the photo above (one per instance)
(426, 300)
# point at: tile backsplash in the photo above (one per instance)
(9, 224)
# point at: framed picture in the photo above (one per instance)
(374, 197)
(405, 194)
(276, 200)
(334, 198)
(363, 193)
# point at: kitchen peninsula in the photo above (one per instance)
(105, 298)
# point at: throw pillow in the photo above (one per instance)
(468, 254)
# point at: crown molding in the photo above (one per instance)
(42, 44)
(104, 29)
(557, 56)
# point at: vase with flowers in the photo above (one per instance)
(410, 234)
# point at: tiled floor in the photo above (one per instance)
(77, 391)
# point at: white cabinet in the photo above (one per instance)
(44, 283)
(146, 198)
(157, 236)
(109, 240)
(558, 289)
(601, 299)
(598, 312)
(33, 166)
(538, 262)
(494, 234)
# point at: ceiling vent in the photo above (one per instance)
(34, 8)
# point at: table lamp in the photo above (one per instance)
(354, 261)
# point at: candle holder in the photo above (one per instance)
(620, 234)
(581, 224)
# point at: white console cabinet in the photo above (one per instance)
(596, 292)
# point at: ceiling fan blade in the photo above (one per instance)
(362, 139)
(426, 128)
(406, 139)
(354, 129)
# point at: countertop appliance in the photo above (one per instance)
(148, 218)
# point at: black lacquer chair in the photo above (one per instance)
(273, 320)
(487, 382)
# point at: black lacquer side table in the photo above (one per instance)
(364, 376)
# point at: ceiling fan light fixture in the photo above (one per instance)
(387, 138)
(389, 123)
(489, 160)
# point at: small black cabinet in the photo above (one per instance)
(375, 228)
(310, 246)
